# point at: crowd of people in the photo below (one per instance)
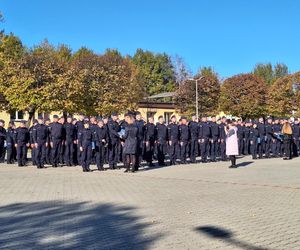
(88, 140)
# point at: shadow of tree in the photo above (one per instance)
(226, 235)
(65, 225)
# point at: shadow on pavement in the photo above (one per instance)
(219, 233)
(80, 225)
(244, 164)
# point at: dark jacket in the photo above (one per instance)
(21, 136)
(99, 135)
(40, 134)
(131, 137)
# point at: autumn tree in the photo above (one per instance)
(243, 95)
(270, 73)
(208, 95)
(155, 71)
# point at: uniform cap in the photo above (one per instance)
(55, 116)
(40, 117)
(114, 113)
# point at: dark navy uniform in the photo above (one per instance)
(161, 142)
(296, 139)
(56, 137)
(215, 139)
(100, 137)
(79, 128)
(184, 138)
(70, 137)
(10, 145)
(194, 131)
(240, 135)
(204, 136)
(173, 136)
(149, 138)
(140, 137)
(130, 146)
(261, 141)
(222, 141)
(253, 136)
(21, 139)
(247, 130)
(2, 142)
(268, 139)
(85, 141)
(276, 142)
(113, 143)
(40, 139)
(32, 146)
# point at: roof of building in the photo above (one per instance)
(161, 95)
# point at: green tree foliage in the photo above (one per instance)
(155, 71)
(208, 94)
(244, 95)
(269, 73)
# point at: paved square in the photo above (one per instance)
(202, 206)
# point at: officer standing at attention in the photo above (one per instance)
(253, 136)
(173, 137)
(161, 140)
(70, 140)
(33, 149)
(261, 139)
(22, 141)
(10, 145)
(85, 145)
(100, 136)
(215, 139)
(48, 148)
(149, 138)
(140, 123)
(184, 138)
(247, 130)
(240, 135)
(40, 139)
(269, 136)
(194, 130)
(296, 137)
(114, 141)
(276, 142)
(56, 138)
(222, 127)
(2, 141)
(204, 136)
(79, 128)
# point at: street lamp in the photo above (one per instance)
(196, 81)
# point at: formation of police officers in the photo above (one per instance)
(89, 141)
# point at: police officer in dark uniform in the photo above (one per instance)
(149, 138)
(276, 141)
(261, 139)
(240, 135)
(48, 147)
(161, 140)
(215, 139)
(184, 138)
(222, 127)
(253, 136)
(85, 141)
(247, 130)
(268, 138)
(296, 137)
(114, 141)
(62, 147)
(40, 139)
(100, 137)
(32, 146)
(140, 123)
(2, 141)
(10, 144)
(173, 137)
(56, 135)
(194, 130)
(70, 139)
(22, 142)
(79, 128)
(204, 137)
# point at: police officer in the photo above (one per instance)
(253, 136)
(10, 145)
(22, 141)
(70, 140)
(247, 130)
(56, 138)
(48, 148)
(149, 138)
(85, 141)
(32, 146)
(296, 137)
(2, 141)
(100, 137)
(276, 141)
(173, 136)
(62, 147)
(79, 128)
(204, 137)
(184, 138)
(140, 123)
(269, 137)
(215, 139)
(240, 135)
(114, 140)
(40, 139)
(161, 140)
(194, 130)
(261, 139)
(222, 127)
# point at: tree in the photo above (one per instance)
(155, 71)
(244, 96)
(208, 95)
(181, 71)
(269, 73)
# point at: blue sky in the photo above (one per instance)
(229, 35)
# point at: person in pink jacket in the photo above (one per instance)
(232, 148)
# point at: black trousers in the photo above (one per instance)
(214, 147)
(130, 162)
(287, 148)
(113, 157)
(173, 151)
(149, 151)
(253, 148)
(268, 147)
(184, 149)
(21, 154)
(161, 150)
(99, 151)
(233, 160)
(261, 147)
(33, 155)
(2, 151)
(246, 146)
(86, 156)
(223, 150)
(10, 149)
(69, 153)
(40, 154)
(204, 149)
(193, 149)
(241, 145)
(56, 149)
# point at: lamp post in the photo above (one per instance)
(196, 81)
